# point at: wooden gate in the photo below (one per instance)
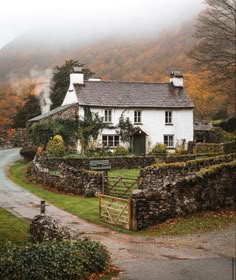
(115, 210)
(119, 186)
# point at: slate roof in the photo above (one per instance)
(131, 95)
(50, 113)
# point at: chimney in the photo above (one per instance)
(77, 77)
(177, 78)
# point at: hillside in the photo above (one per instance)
(145, 58)
(137, 59)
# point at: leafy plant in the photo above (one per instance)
(55, 146)
(28, 153)
(218, 135)
(89, 128)
(40, 133)
(159, 149)
(125, 129)
(53, 260)
(120, 151)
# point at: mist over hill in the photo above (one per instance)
(146, 58)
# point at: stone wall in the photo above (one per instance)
(159, 175)
(221, 148)
(12, 138)
(68, 179)
(119, 162)
(116, 162)
(174, 190)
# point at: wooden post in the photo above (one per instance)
(42, 207)
(103, 182)
(100, 206)
(130, 213)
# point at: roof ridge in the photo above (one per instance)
(128, 82)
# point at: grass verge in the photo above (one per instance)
(197, 223)
(12, 228)
(87, 208)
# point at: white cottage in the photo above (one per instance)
(162, 112)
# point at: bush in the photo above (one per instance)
(179, 149)
(218, 135)
(120, 151)
(28, 153)
(159, 149)
(53, 260)
(55, 146)
(98, 152)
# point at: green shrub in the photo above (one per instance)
(179, 149)
(218, 135)
(28, 153)
(120, 151)
(55, 146)
(159, 149)
(52, 260)
(98, 152)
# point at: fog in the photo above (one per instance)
(62, 21)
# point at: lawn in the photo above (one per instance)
(134, 173)
(12, 228)
(87, 208)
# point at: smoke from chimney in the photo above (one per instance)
(42, 90)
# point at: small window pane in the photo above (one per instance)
(168, 117)
(137, 116)
(107, 116)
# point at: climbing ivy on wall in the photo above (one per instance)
(40, 133)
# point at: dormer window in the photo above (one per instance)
(107, 116)
(168, 117)
(137, 116)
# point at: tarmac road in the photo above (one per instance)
(203, 256)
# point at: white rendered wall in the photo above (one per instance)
(153, 124)
(71, 97)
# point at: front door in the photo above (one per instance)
(139, 144)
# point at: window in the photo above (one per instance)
(169, 140)
(168, 117)
(137, 116)
(110, 140)
(107, 117)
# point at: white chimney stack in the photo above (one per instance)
(77, 77)
(177, 78)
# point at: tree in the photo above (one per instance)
(30, 109)
(40, 133)
(215, 47)
(125, 129)
(89, 128)
(61, 80)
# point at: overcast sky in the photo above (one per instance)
(92, 17)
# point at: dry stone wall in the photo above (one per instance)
(68, 179)
(13, 138)
(174, 190)
(221, 148)
(119, 162)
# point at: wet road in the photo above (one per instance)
(189, 257)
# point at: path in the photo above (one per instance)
(190, 257)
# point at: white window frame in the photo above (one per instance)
(169, 140)
(110, 140)
(168, 117)
(137, 116)
(108, 116)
